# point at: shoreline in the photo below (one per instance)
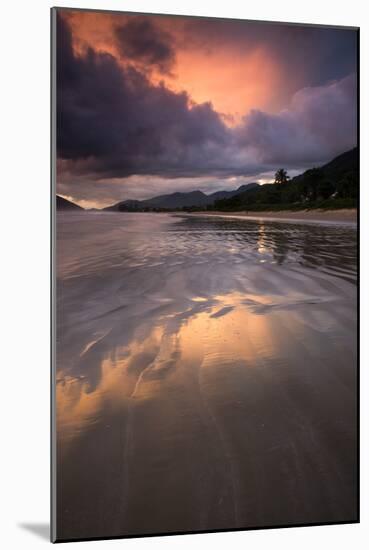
(343, 216)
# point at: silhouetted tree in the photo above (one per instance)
(281, 176)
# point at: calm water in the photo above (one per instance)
(206, 373)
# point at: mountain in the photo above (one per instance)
(178, 200)
(228, 194)
(64, 204)
(340, 166)
(333, 185)
(344, 164)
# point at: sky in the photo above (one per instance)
(148, 105)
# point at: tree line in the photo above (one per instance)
(332, 186)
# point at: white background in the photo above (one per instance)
(24, 253)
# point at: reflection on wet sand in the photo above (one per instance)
(206, 375)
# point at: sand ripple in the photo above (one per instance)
(206, 373)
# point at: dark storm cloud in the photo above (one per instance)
(141, 41)
(120, 124)
(114, 123)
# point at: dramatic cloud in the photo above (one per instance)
(313, 54)
(237, 65)
(320, 123)
(141, 41)
(118, 128)
(119, 124)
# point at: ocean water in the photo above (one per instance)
(206, 373)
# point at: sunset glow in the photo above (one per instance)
(200, 100)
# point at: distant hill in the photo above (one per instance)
(333, 185)
(64, 204)
(228, 194)
(177, 200)
(337, 168)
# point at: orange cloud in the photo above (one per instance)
(233, 80)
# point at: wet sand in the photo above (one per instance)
(345, 215)
(206, 374)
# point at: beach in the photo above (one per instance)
(206, 373)
(344, 215)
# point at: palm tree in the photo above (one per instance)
(281, 176)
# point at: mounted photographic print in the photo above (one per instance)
(205, 187)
